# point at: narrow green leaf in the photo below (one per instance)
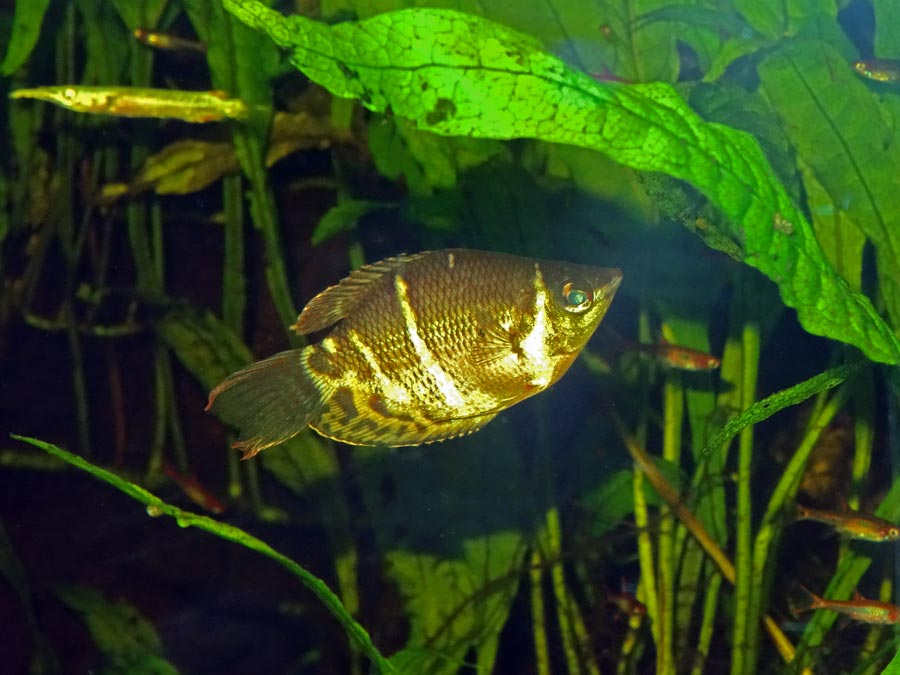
(429, 66)
(25, 33)
(839, 130)
(157, 507)
(780, 400)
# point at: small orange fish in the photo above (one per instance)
(195, 491)
(675, 356)
(854, 524)
(167, 42)
(859, 608)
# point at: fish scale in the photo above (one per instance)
(420, 348)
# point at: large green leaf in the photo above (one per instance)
(457, 74)
(25, 33)
(838, 129)
(595, 37)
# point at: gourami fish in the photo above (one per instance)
(854, 524)
(859, 608)
(190, 106)
(420, 348)
(880, 70)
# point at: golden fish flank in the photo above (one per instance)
(420, 348)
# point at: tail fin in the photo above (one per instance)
(810, 601)
(270, 401)
(797, 512)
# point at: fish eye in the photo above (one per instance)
(577, 296)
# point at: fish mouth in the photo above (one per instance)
(612, 283)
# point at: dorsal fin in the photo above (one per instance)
(338, 301)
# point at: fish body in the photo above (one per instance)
(853, 524)
(676, 356)
(420, 348)
(190, 106)
(880, 70)
(166, 41)
(195, 491)
(859, 608)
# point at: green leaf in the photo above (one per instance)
(893, 668)
(839, 131)
(127, 640)
(157, 507)
(425, 160)
(454, 549)
(145, 14)
(841, 239)
(613, 500)
(731, 50)
(343, 217)
(780, 400)
(204, 344)
(887, 18)
(430, 66)
(25, 33)
(779, 19)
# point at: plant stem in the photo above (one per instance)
(673, 413)
(745, 632)
(538, 616)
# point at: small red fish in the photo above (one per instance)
(167, 42)
(606, 75)
(854, 524)
(859, 608)
(195, 491)
(675, 356)
(627, 603)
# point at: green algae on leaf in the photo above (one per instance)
(457, 74)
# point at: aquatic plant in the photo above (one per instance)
(401, 127)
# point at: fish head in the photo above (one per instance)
(579, 297)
